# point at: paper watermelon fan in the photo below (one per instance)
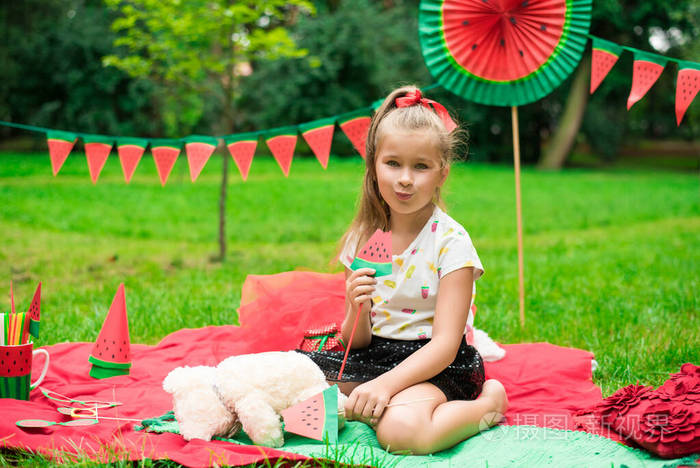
(111, 354)
(316, 417)
(503, 52)
(376, 254)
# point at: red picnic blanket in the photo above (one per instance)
(546, 384)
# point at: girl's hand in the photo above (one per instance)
(359, 286)
(367, 402)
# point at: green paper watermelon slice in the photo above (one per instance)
(60, 146)
(356, 128)
(199, 149)
(242, 148)
(97, 149)
(282, 147)
(687, 86)
(316, 417)
(130, 151)
(319, 136)
(164, 155)
(111, 354)
(376, 253)
(34, 312)
(647, 69)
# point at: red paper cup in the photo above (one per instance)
(16, 370)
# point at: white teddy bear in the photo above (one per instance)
(248, 390)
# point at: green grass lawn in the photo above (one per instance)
(611, 258)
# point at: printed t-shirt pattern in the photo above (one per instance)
(403, 306)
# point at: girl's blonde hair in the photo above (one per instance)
(373, 213)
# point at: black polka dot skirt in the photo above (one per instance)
(461, 380)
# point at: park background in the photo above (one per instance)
(611, 213)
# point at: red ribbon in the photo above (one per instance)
(415, 97)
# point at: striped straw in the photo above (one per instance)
(3, 337)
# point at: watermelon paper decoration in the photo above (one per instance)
(316, 417)
(355, 125)
(687, 86)
(130, 151)
(503, 52)
(111, 354)
(165, 153)
(647, 69)
(97, 148)
(282, 143)
(34, 312)
(199, 148)
(319, 136)
(376, 254)
(605, 55)
(242, 148)
(60, 146)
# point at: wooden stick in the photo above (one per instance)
(347, 350)
(518, 211)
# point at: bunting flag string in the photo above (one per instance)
(646, 70)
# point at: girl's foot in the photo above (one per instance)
(494, 392)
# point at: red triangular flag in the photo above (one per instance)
(165, 153)
(97, 149)
(355, 126)
(318, 136)
(130, 152)
(60, 146)
(199, 149)
(242, 148)
(647, 69)
(687, 86)
(111, 354)
(282, 144)
(605, 55)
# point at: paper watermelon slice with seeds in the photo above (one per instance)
(647, 69)
(687, 86)
(165, 153)
(242, 148)
(97, 149)
(199, 148)
(319, 136)
(130, 151)
(316, 417)
(355, 125)
(111, 354)
(60, 146)
(376, 254)
(605, 55)
(282, 143)
(34, 312)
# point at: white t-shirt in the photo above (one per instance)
(403, 306)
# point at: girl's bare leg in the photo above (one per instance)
(430, 426)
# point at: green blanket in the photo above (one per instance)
(501, 446)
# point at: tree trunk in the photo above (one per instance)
(559, 147)
(222, 208)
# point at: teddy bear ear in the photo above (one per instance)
(175, 379)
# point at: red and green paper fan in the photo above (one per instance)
(319, 136)
(111, 354)
(242, 148)
(97, 149)
(316, 417)
(60, 146)
(604, 57)
(282, 143)
(355, 125)
(687, 86)
(165, 153)
(647, 69)
(503, 52)
(376, 253)
(130, 151)
(34, 312)
(199, 148)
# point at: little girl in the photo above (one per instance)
(410, 373)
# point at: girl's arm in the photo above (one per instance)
(451, 310)
(359, 287)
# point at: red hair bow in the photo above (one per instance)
(415, 97)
